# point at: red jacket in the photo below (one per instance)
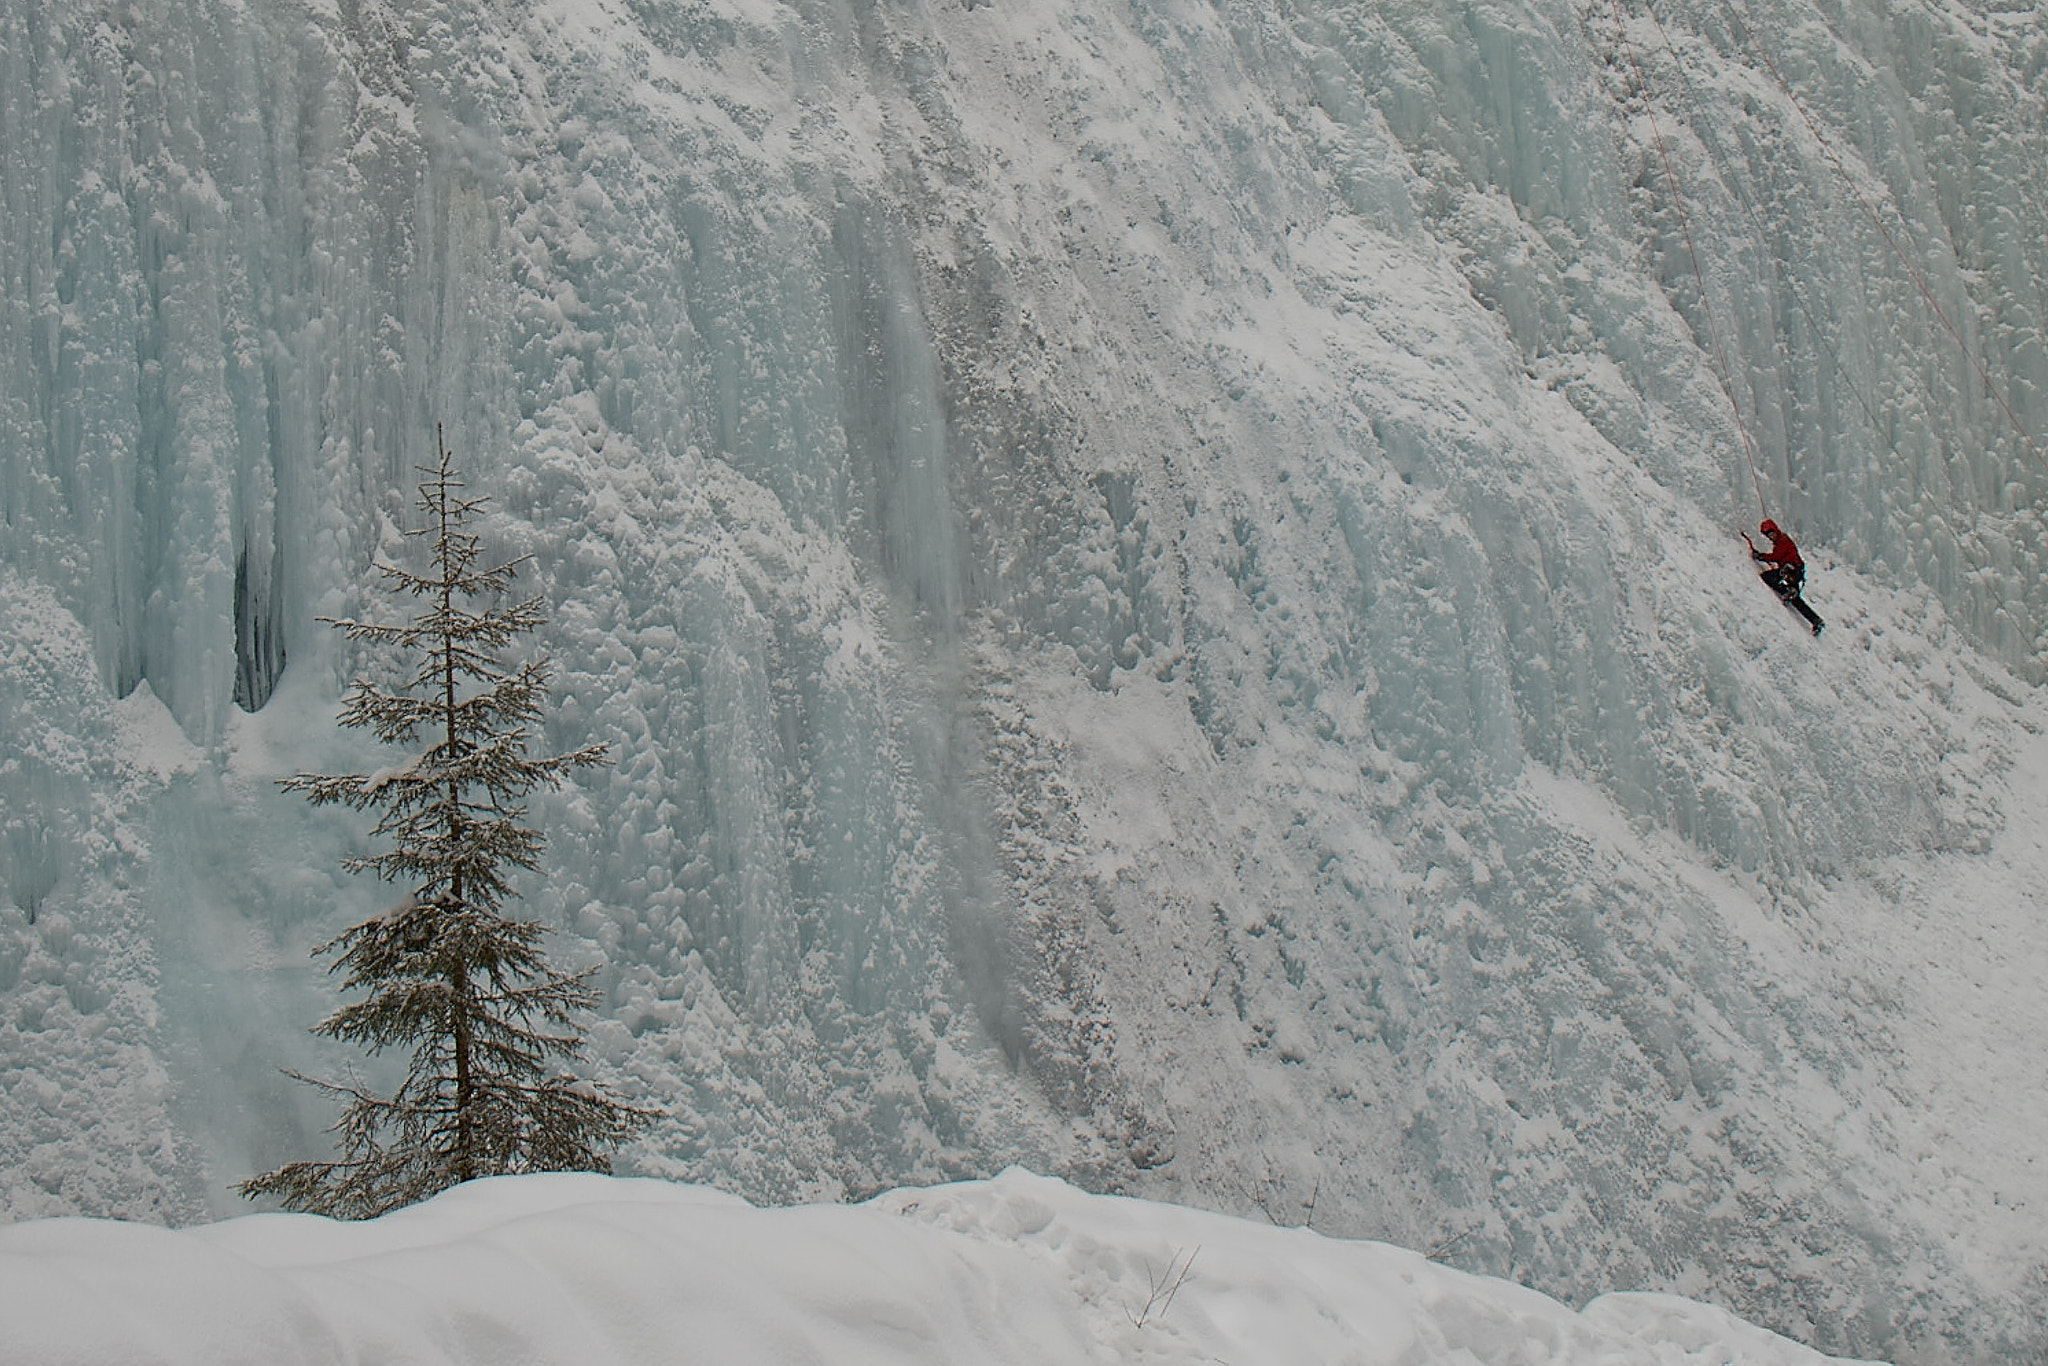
(1782, 551)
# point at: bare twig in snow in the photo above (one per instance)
(1163, 1288)
(1450, 1244)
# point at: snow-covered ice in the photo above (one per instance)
(1162, 574)
(1020, 1270)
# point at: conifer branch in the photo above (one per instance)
(467, 989)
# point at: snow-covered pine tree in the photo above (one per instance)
(445, 973)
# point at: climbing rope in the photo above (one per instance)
(1703, 126)
(1685, 228)
(1747, 32)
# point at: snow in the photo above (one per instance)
(589, 1271)
(1162, 577)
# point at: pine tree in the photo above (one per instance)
(444, 972)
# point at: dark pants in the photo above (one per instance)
(1786, 580)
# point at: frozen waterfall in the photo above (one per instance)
(1162, 575)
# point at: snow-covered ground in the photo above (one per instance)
(1163, 575)
(1020, 1270)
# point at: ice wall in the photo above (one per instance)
(1160, 575)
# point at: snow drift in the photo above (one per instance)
(586, 1271)
(1162, 575)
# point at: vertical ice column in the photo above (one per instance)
(893, 415)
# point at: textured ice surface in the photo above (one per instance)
(1162, 577)
(590, 1271)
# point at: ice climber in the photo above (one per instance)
(1783, 570)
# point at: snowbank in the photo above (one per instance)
(592, 1271)
(1162, 577)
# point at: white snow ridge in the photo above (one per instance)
(1163, 578)
(595, 1271)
